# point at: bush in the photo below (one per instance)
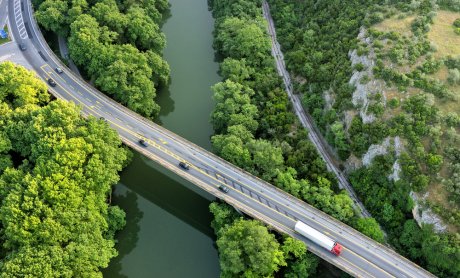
(393, 103)
(359, 67)
(457, 23)
(454, 77)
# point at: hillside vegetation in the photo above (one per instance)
(380, 79)
(256, 129)
(56, 173)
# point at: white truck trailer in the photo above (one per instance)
(318, 238)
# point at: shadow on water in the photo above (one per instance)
(129, 234)
(170, 192)
(167, 103)
(153, 197)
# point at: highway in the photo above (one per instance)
(362, 257)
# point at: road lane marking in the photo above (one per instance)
(206, 164)
(160, 131)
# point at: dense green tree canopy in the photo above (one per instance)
(54, 216)
(247, 249)
(241, 38)
(117, 44)
(233, 106)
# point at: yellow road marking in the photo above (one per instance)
(204, 173)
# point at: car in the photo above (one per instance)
(22, 46)
(223, 188)
(102, 119)
(58, 70)
(51, 82)
(143, 143)
(184, 165)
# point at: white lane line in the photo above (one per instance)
(19, 20)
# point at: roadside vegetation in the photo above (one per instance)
(117, 44)
(381, 81)
(56, 173)
(7, 39)
(255, 129)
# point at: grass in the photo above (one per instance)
(438, 195)
(443, 36)
(448, 43)
(401, 26)
(447, 105)
(2, 41)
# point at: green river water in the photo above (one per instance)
(168, 231)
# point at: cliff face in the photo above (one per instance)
(424, 215)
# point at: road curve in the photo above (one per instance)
(362, 257)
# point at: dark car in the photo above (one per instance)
(143, 143)
(102, 119)
(223, 188)
(51, 82)
(58, 70)
(22, 46)
(184, 165)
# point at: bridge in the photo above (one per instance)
(361, 257)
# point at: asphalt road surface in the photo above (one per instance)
(361, 257)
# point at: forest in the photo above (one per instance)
(116, 44)
(379, 74)
(56, 173)
(375, 75)
(256, 130)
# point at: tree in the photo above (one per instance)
(235, 70)
(233, 107)
(411, 239)
(160, 69)
(127, 78)
(84, 44)
(370, 228)
(239, 38)
(338, 135)
(441, 251)
(299, 262)
(107, 13)
(52, 16)
(266, 158)
(19, 87)
(143, 32)
(224, 215)
(55, 221)
(247, 249)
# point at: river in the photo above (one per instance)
(168, 231)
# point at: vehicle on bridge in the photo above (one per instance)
(22, 46)
(223, 188)
(184, 165)
(318, 238)
(51, 82)
(143, 143)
